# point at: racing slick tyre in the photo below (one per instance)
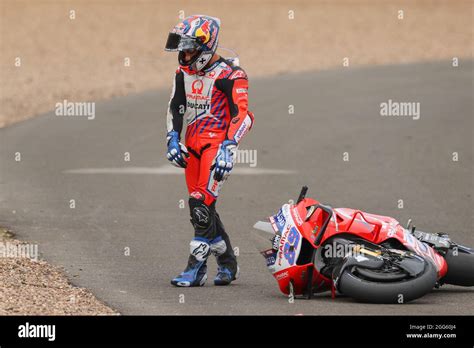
(460, 269)
(376, 286)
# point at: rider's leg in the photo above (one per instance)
(195, 273)
(220, 244)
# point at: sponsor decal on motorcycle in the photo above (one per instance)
(282, 245)
(280, 220)
(297, 217)
(287, 245)
(290, 243)
(281, 275)
(276, 241)
(270, 257)
(289, 249)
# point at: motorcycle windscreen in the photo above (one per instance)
(263, 237)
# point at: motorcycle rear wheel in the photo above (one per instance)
(460, 269)
(363, 287)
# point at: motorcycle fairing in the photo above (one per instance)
(391, 228)
(289, 244)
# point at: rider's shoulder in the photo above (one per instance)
(233, 72)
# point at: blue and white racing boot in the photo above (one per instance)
(221, 248)
(225, 275)
(195, 274)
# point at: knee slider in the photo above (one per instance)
(201, 214)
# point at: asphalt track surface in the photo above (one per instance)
(135, 204)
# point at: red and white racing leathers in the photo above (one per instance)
(214, 105)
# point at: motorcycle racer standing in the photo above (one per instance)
(210, 94)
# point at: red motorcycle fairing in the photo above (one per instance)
(298, 229)
(374, 228)
(378, 229)
(286, 264)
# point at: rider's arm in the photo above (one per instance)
(177, 104)
(236, 89)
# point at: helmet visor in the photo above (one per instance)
(172, 42)
(177, 42)
(188, 43)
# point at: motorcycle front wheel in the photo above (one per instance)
(386, 285)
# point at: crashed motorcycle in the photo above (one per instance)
(310, 248)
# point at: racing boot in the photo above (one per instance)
(226, 275)
(221, 248)
(203, 221)
(195, 273)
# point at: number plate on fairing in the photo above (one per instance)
(289, 246)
